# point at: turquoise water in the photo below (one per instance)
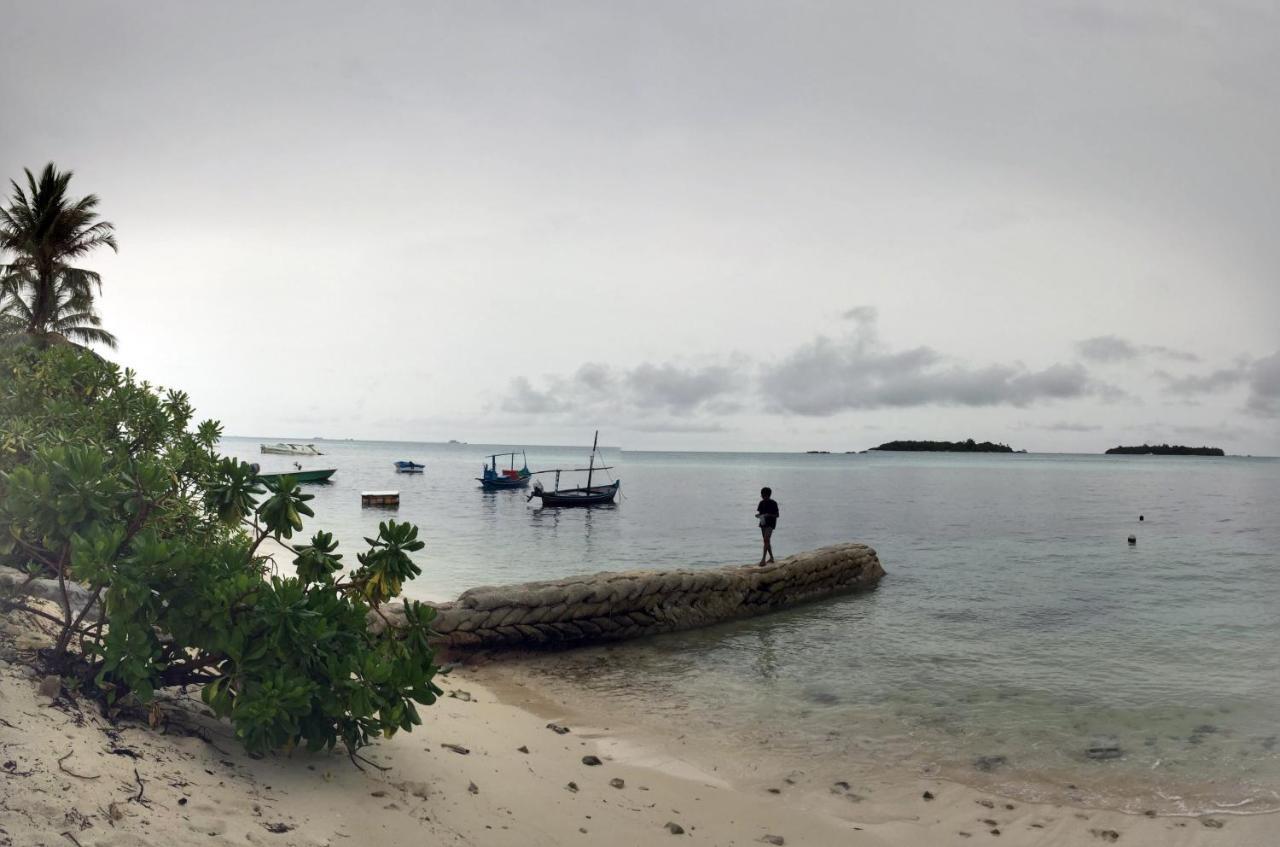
(1015, 620)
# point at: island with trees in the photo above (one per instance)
(1166, 450)
(967, 446)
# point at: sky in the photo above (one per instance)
(692, 226)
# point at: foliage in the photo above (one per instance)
(41, 294)
(967, 446)
(1167, 450)
(104, 481)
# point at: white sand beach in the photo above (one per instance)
(484, 769)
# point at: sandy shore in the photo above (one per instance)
(484, 770)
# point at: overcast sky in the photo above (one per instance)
(692, 225)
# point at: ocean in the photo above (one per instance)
(1016, 628)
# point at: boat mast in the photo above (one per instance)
(592, 463)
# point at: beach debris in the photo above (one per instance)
(995, 830)
(457, 748)
(50, 686)
(522, 749)
(378, 793)
(1104, 748)
(618, 782)
(773, 839)
(986, 764)
(964, 834)
(1010, 806)
(65, 770)
(774, 790)
(459, 694)
(557, 728)
(1151, 813)
(1133, 539)
(839, 787)
(1212, 823)
(572, 786)
(277, 828)
(674, 828)
(928, 795)
(986, 803)
(591, 761)
(473, 788)
(1105, 834)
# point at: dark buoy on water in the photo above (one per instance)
(1133, 540)
(1142, 517)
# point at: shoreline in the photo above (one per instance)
(483, 769)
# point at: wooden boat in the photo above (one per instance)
(587, 495)
(500, 480)
(301, 476)
(288, 449)
(380, 498)
(409, 467)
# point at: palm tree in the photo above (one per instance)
(41, 294)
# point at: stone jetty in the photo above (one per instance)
(612, 606)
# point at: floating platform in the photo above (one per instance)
(380, 498)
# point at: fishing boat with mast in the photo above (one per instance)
(587, 495)
(500, 480)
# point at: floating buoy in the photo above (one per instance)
(1133, 539)
(1142, 517)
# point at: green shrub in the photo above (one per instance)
(104, 481)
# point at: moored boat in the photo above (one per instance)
(498, 480)
(409, 467)
(301, 476)
(288, 449)
(587, 495)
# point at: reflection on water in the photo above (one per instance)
(1015, 621)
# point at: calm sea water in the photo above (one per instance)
(1015, 620)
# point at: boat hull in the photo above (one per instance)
(301, 476)
(503, 483)
(597, 495)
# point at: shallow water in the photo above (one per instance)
(1015, 620)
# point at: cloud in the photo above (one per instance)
(666, 388)
(827, 376)
(1264, 386)
(1064, 426)
(1112, 348)
(1261, 376)
(1196, 384)
(679, 390)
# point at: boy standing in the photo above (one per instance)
(767, 514)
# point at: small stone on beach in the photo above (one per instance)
(591, 760)
(928, 795)
(617, 782)
(523, 749)
(473, 788)
(1211, 823)
(573, 786)
(557, 728)
(675, 828)
(773, 839)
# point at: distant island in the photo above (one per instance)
(968, 446)
(1166, 450)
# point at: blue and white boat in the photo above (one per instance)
(409, 467)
